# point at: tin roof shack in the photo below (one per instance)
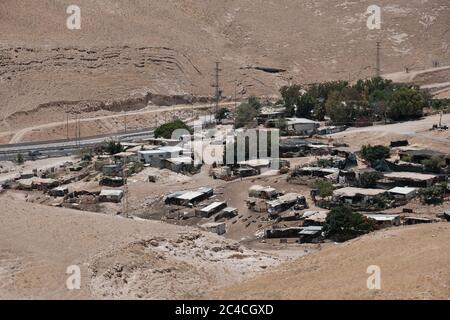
(311, 234)
(277, 233)
(302, 126)
(181, 164)
(286, 202)
(416, 220)
(403, 193)
(189, 198)
(245, 172)
(211, 209)
(259, 165)
(384, 220)
(256, 204)
(302, 175)
(126, 157)
(358, 197)
(270, 113)
(59, 192)
(331, 129)
(112, 170)
(418, 155)
(410, 179)
(110, 196)
(293, 147)
(113, 182)
(215, 227)
(227, 213)
(37, 184)
(221, 172)
(268, 193)
(314, 218)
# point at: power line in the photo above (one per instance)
(216, 86)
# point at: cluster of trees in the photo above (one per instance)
(113, 147)
(165, 131)
(363, 102)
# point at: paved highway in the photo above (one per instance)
(59, 148)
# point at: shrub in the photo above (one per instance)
(434, 194)
(113, 147)
(435, 164)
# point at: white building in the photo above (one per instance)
(403, 192)
(156, 158)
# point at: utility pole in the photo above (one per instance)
(79, 132)
(216, 86)
(235, 95)
(76, 130)
(125, 188)
(378, 59)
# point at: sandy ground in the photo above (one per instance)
(417, 132)
(9, 170)
(413, 262)
(119, 258)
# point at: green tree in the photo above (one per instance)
(320, 111)
(406, 104)
(435, 164)
(343, 224)
(222, 114)
(374, 153)
(306, 106)
(290, 98)
(339, 111)
(247, 112)
(369, 179)
(324, 187)
(165, 131)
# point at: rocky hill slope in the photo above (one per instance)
(129, 48)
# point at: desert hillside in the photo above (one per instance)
(118, 258)
(413, 260)
(130, 48)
